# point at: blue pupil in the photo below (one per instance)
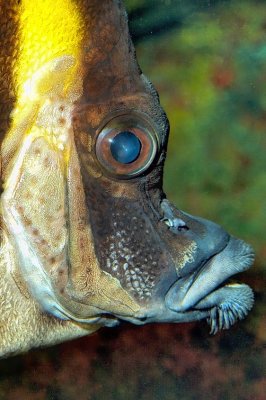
(125, 147)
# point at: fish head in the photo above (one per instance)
(83, 203)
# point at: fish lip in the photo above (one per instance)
(245, 255)
(237, 256)
(241, 251)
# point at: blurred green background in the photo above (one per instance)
(207, 60)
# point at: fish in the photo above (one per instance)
(88, 236)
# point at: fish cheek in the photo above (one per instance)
(126, 244)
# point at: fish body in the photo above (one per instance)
(88, 236)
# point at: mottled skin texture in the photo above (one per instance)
(84, 246)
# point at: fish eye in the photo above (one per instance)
(126, 145)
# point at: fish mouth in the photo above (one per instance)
(208, 290)
(206, 294)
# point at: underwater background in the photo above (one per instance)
(207, 59)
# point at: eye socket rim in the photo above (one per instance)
(141, 125)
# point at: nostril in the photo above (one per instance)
(175, 224)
